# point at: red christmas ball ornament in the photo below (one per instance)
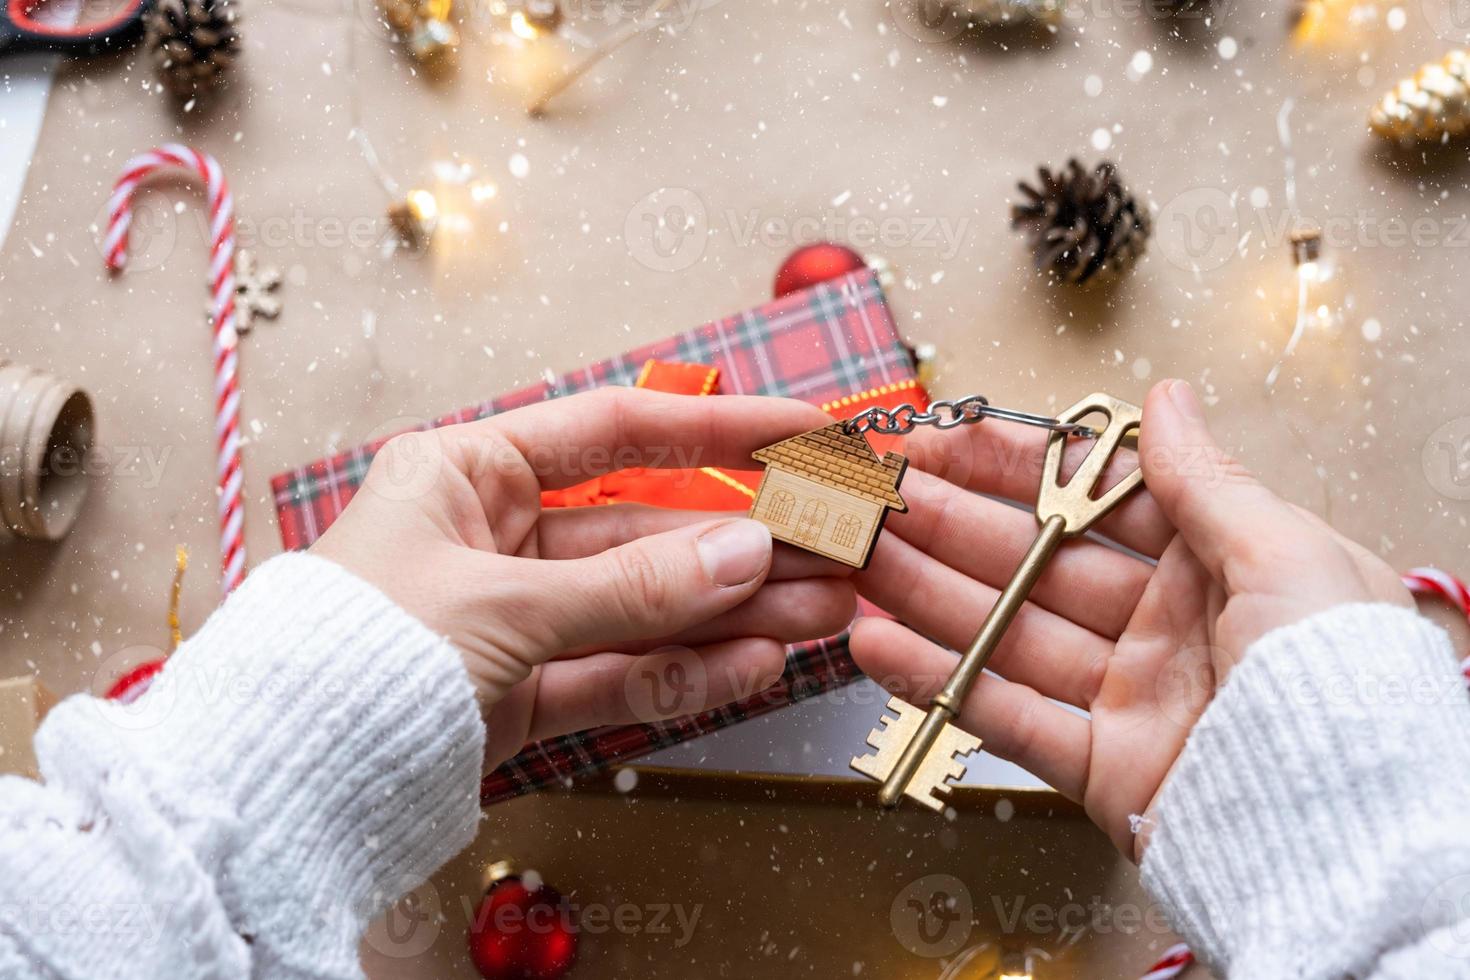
(132, 685)
(815, 263)
(522, 930)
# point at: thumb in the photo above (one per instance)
(656, 585)
(1222, 512)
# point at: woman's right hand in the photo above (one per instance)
(1141, 646)
(575, 618)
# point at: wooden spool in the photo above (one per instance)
(46, 430)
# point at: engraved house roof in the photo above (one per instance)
(841, 460)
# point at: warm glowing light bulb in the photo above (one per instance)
(451, 214)
(532, 19)
(1311, 272)
(1014, 966)
(415, 218)
(1306, 247)
(1313, 22)
(1314, 283)
(1335, 23)
(521, 26)
(423, 206)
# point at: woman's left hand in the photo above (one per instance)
(555, 611)
(1140, 644)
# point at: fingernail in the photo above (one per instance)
(735, 552)
(1184, 399)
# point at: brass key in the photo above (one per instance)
(918, 753)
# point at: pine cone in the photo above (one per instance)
(1083, 227)
(1433, 105)
(192, 42)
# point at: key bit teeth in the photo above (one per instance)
(938, 767)
(942, 764)
(889, 739)
(935, 798)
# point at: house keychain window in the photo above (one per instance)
(828, 492)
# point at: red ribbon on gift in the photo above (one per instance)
(709, 488)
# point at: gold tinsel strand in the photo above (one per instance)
(1432, 106)
(181, 564)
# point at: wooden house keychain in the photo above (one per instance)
(828, 492)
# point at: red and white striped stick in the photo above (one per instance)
(222, 294)
(1441, 585)
(1444, 586)
(1176, 960)
(1425, 581)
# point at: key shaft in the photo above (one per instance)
(926, 765)
(946, 704)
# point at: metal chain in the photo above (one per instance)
(949, 413)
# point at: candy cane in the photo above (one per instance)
(1441, 585)
(1176, 960)
(1424, 581)
(222, 293)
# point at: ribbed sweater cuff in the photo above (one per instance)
(313, 741)
(1315, 808)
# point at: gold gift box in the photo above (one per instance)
(687, 874)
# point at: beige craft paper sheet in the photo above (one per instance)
(755, 118)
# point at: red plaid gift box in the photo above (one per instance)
(831, 345)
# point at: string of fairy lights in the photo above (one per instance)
(430, 32)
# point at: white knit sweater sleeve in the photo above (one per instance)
(310, 754)
(1315, 825)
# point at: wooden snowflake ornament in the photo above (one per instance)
(255, 289)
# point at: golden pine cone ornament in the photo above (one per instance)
(400, 14)
(425, 28)
(192, 42)
(1083, 226)
(1431, 107)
